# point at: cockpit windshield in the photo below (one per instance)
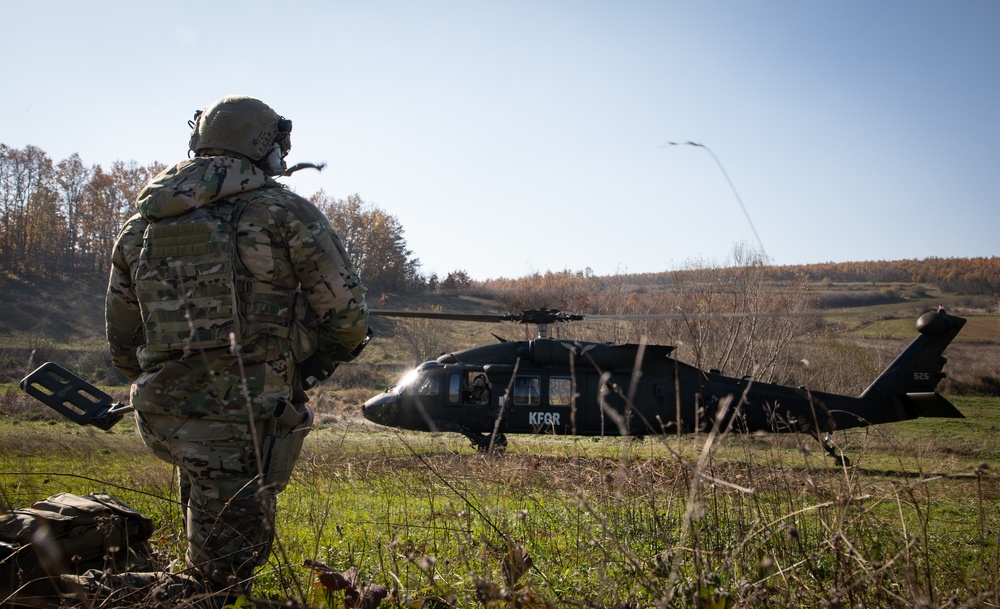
(422, 380)
(406, 380)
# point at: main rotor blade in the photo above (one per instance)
(689, 316)
(481, 317)
(544, 316)
(530, 316)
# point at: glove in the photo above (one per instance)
(320, 365)
(316, 369)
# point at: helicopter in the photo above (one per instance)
(558, 386)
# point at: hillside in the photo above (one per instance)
(62, 311)
(63, 320)
(52, 320)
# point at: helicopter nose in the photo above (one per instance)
(381, 409)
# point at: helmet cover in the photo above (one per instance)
(240, 124)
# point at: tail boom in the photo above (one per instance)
(905, 390)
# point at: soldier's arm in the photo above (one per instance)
(330, 282)
(121, 310)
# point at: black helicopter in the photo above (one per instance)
(548, 385)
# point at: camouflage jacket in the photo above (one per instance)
(281, 239)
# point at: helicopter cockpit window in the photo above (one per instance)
(560, 391)
(427, 385)
(527, 391)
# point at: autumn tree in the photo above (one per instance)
(109, 200)
(373, 239)
(72, 177)
(27, 209)
(99, 220)
(58, 218)
(456, 280)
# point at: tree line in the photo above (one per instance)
(62, 218)
(973, 276)
(980, 275)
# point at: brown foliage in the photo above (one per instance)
(58, 219)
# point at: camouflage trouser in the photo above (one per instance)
(228, 497)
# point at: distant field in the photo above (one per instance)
(979, 328)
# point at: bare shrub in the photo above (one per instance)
(90, 361)
(424, 338)
(739, 323)
(94, 363)
(353, 375)
(857, 298)
(837, 365)
(562, 290)
(18, 361)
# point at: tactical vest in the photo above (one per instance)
(194, 291)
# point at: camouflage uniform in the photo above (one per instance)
(216, 359)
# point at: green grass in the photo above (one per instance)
(691, 521)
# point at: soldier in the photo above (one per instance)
(228, 296)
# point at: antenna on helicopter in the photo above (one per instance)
(731, 186)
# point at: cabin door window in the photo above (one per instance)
(560, 391)
(454, 388)
(527, 391)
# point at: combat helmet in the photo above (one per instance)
(246, 126)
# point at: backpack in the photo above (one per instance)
(66, 533)
(186, 280)
(193, 289)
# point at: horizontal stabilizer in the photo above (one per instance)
(933, 405)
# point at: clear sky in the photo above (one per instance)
(514, 137)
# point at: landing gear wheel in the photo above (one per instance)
(492, 444)
(840, 459)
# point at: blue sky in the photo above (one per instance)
(524, 136)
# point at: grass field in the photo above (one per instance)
(693, 521)
(690, 521)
